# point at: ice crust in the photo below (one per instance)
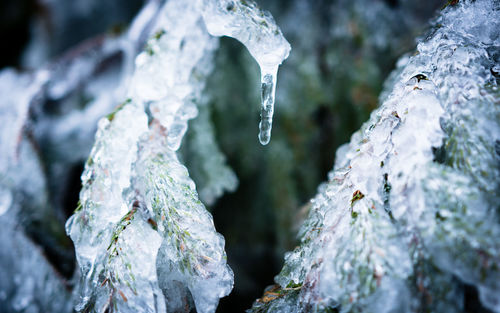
(117, 242)
(144, 241)
(412, 203)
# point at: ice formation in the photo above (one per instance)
(263, 40)
(24, 197)
(410, 212)
(22, 88)
(206, 162)
(23, 289)
(407, 218)
(327, 89)
(144, 242)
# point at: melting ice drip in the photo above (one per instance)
(256, 29)
(134, 186)
(268, 89)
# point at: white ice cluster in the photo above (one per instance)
(410, 212)
(28, 211)
(144, 242)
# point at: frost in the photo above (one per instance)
(411, 204)
(144, 241)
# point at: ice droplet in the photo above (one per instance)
(268, 89)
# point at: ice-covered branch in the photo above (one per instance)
(256, 29)
(412, 203)
(144, 242)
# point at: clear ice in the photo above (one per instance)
(410, 211)
(264, 41)
(144, 241)
(409, 214)
(28, 281)
(268, 90)
(206, 162)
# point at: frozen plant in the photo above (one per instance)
(144, 242)
(206, 163)
(410, 212)
(23, 197)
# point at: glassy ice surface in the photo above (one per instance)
(268, 89)
(408, 213)
(257, 30)
(125, 216)
(206, 162)
(144, 241)
(412, 203)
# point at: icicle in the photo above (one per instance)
(411, 206)
(268, 89)
(256, 29)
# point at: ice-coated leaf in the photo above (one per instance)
(193, 256)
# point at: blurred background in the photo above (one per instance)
(342, 52)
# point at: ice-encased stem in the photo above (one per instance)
(268, 90)
(134, 187)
